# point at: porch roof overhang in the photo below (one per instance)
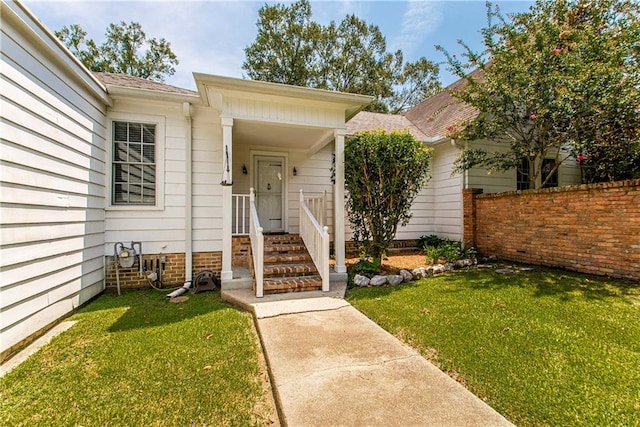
(279, 115)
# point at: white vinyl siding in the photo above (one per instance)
(161, 228)
(52, 177)
(498, 182)
(438, 207)
(207, 174)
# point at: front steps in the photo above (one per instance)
(288, 266)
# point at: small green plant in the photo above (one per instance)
(364, 267)
(430, 240)
(439, 249)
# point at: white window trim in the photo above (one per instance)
(160, 122)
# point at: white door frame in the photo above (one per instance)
(284, 157)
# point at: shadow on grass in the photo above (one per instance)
(550, 282)
(148, 308)
(545, 282)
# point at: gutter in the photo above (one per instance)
(188, 209)
(115, 91)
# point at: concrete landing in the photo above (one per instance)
(332, 366)
(246, 298)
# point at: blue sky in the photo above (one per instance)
(210, 36)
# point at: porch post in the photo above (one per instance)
(338, 199)
(227, 190)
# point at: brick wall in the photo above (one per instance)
(241, 251)
(469, 215)
(591, 228)
(172, 275)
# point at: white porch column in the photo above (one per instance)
(338, 199)
(227, 190)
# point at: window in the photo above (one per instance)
(134, 163)
(522, 175)
(547, 167)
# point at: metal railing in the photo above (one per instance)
(240, 214)
(257, 244)
(316, 239)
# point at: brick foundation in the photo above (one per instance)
(592, 228)
(172, 275)
(241, 251)
(352, 250)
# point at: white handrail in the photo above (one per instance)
(318, 207)
(316, 239)
(240, 214)
(257, 244)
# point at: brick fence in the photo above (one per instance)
(592, 228)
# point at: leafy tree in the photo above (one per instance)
(122, 51)
(285, 44)
(383, 174)
(414, 83)
(558, 81)
(349, 57)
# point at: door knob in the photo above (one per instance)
(269, 186)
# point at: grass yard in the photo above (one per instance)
(544, 347)
(140, 360)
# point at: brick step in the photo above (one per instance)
(284, 247)
(288, 270)
(286, 257)
(283, 238)
(278, 285)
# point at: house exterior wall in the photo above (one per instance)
(592, 228)
(437, 208)
(161, 229)
(53, 170)
(498, 182)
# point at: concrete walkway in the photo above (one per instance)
(332, 366)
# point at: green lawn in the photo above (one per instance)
(139, 360)
(545, 347)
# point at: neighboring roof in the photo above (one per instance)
(365, 120)
(111, 81)
(428, 121)
(434, 115)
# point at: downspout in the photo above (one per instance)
(188, 210)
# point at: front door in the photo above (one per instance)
(270, 192)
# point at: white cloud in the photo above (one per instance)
(420, 19)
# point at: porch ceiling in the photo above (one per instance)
(304, 138)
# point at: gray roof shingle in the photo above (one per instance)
(365, 120)
(434, 115)
(127, 81)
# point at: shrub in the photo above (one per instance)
(364, 267)
(438, 248)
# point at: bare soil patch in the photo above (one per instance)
(395, 263)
